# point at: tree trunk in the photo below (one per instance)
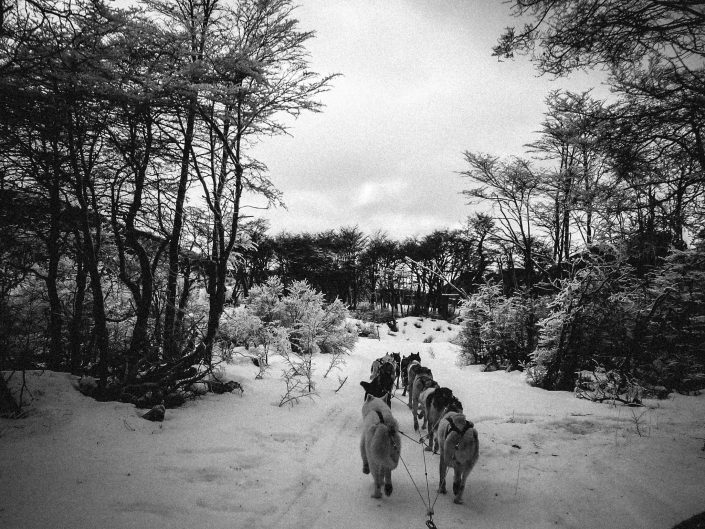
(56, 350)
(75, 327)
(82, 188)
(170, 344)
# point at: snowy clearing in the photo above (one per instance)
(546, 459)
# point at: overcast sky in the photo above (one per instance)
(418, 88)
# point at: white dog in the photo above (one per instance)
(380, 445)
(459, 447)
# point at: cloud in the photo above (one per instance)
(380, 191)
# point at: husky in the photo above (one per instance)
(454, 405)
(377, 364)
(382, 385)
(459, 446)
(435, 402)
(380, 445)
(422, 381)
(415, 369)
(404, 368)
(397, 367)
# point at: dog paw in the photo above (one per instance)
(388, 489)
(428, 449)
(377, 494)
(458, 501)
(456, 488)
(365, 469)
(442, 490)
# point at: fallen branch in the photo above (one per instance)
(341, 383)
(608, 398)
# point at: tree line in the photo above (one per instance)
(413, 276)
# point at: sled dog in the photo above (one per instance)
(422, 382)
(382, 385)
(459, 446)
(404, 368)
(377, 364)
(380, 445)
(415, 369)
(436, 403)
(397, 367)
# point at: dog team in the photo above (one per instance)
(449, 432)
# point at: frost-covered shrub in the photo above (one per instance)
(592, 322)
(497, 329)
(241, 327)
(646, 330)
(315, 326)
(672, 328)
(264, 300)
(296, 324)
(311, 325)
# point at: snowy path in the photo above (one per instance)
(546, 459)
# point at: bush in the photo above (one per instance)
(499, 330)
(312, 325)
(375, 315)
(648, 330)
(591, 322)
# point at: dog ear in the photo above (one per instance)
(365, 385)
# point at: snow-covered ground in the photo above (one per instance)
(546, 459)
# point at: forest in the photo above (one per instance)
(127, 236)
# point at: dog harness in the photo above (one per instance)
(454, 428)
(391, 432)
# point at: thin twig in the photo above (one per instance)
(341, 384)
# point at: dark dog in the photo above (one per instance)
(415, 369)
(382, 385)
(437, 404)
(397, 365)
(404, 368)
(454, 405)
(374, 369)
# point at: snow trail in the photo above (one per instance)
(228, 461)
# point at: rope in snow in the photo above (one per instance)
(400, 400)
(429, 506)
(429, 510)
